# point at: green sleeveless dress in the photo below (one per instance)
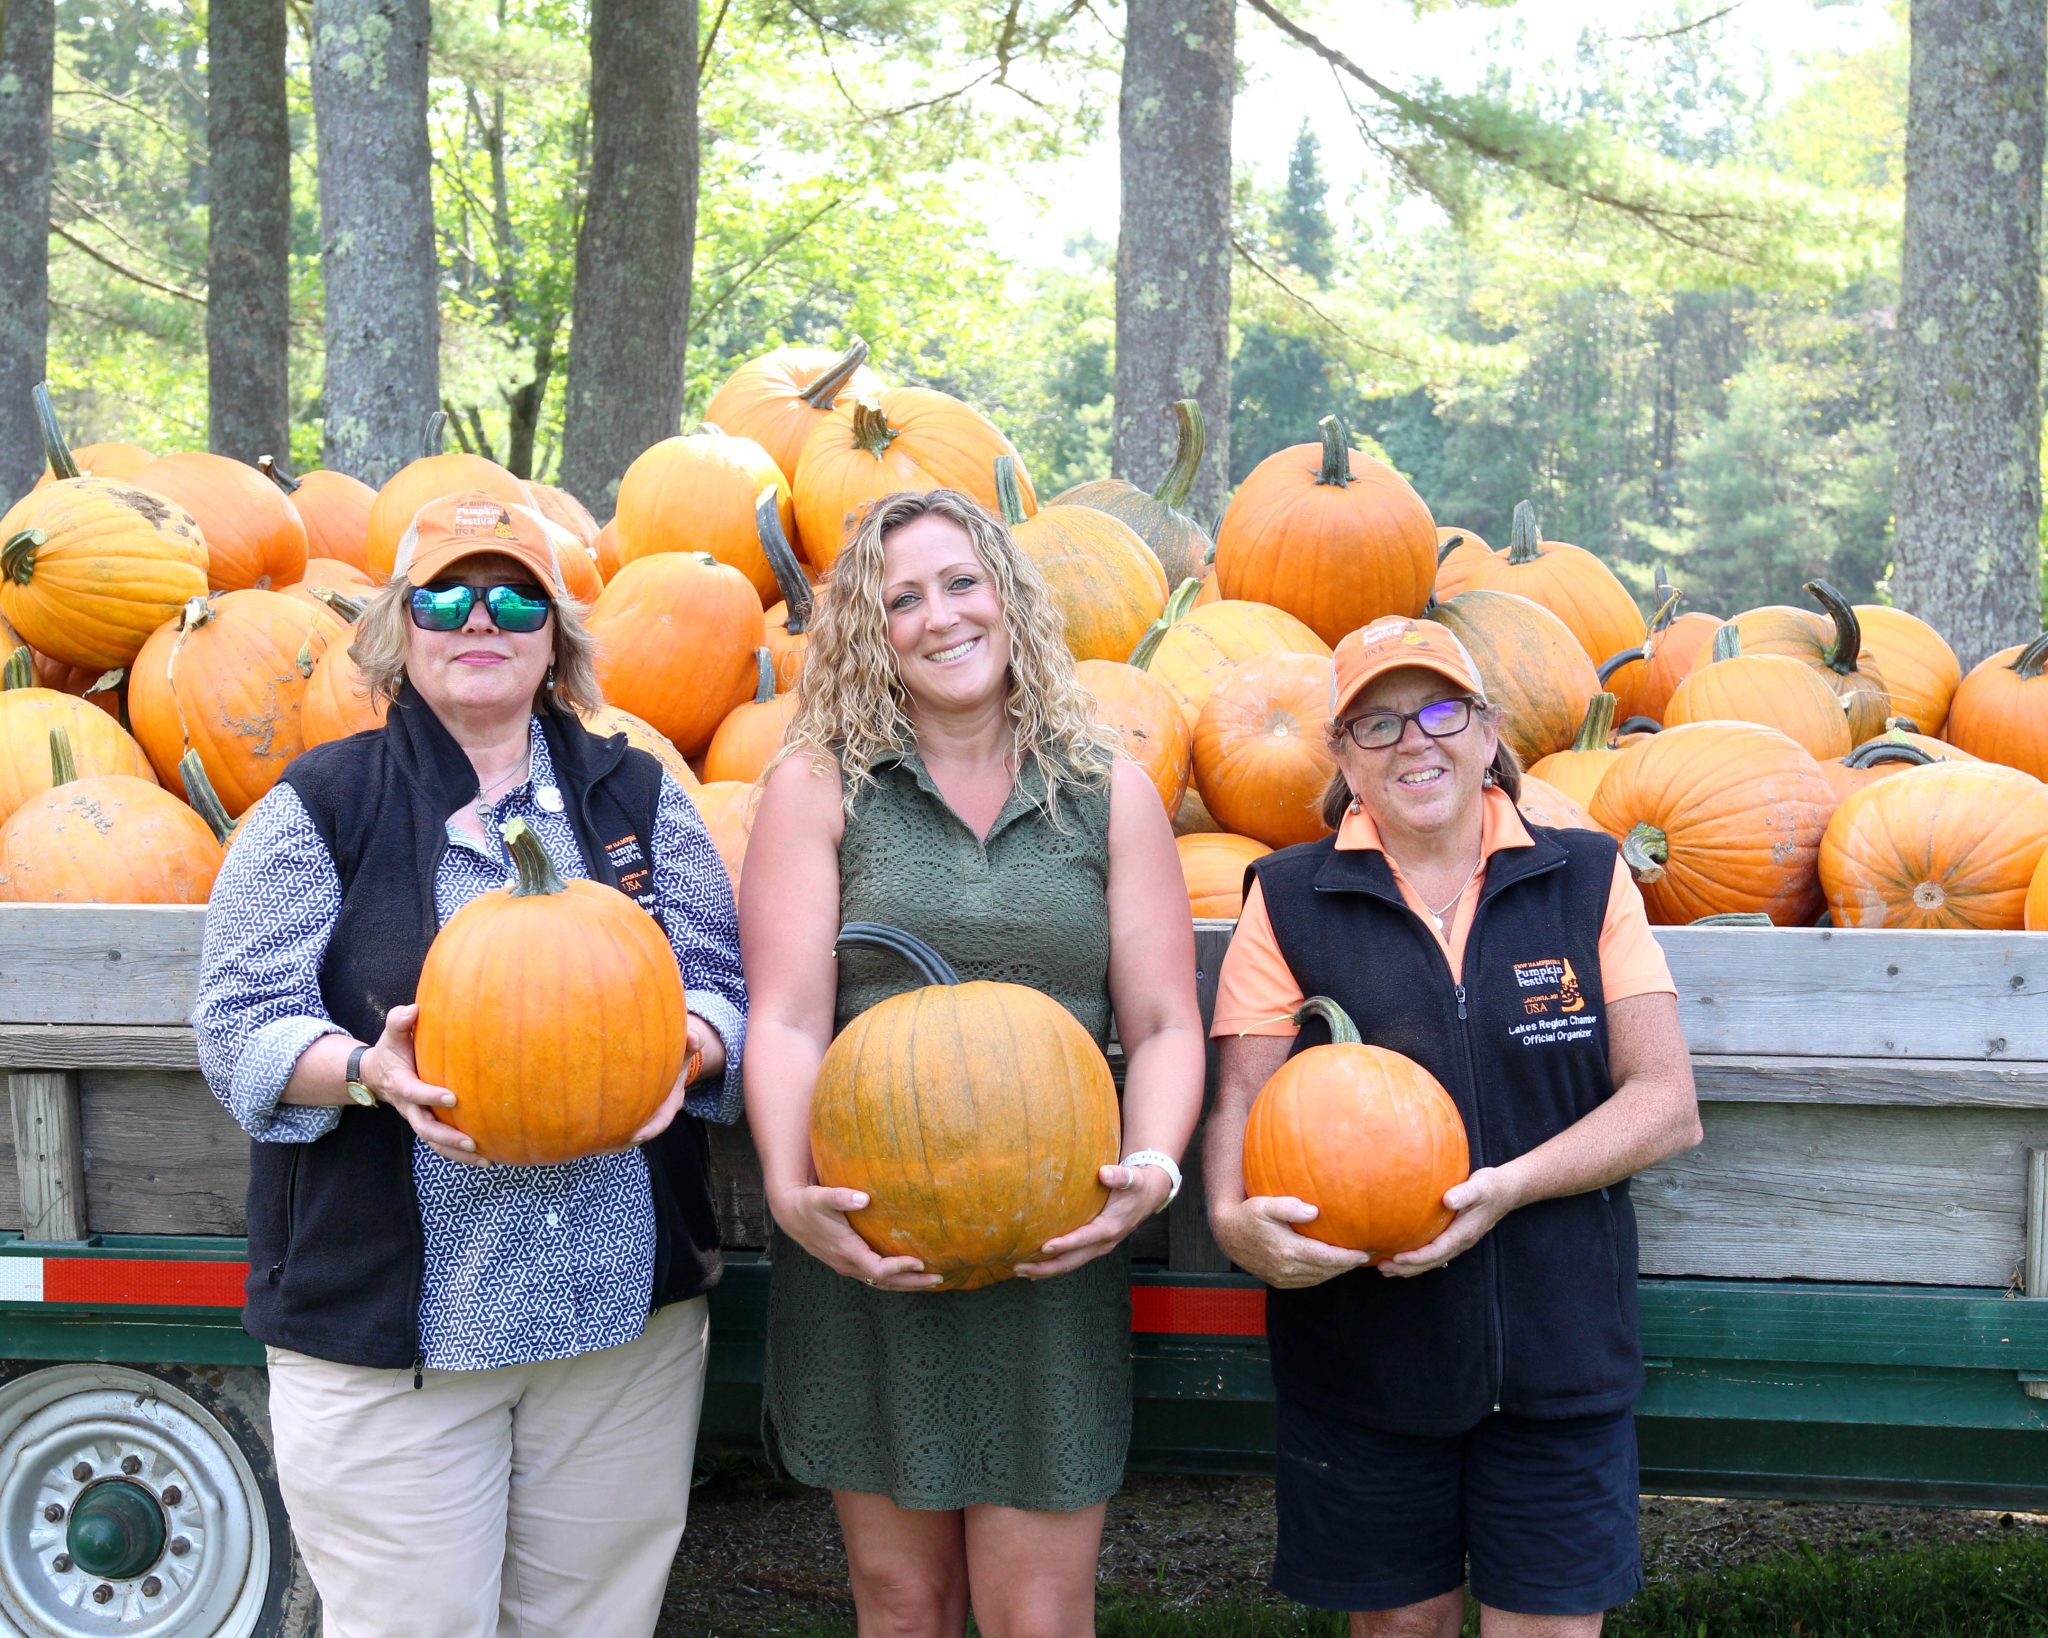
(1018, 1394)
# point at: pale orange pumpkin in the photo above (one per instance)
(1578, 771)
(676, 637)
(1193, 650)
(1947, 845)
(1570, 581)
(564, 511)
(253, 533)
(1542, 803)
(697, 493)
(780, 398)
(1772, 689)
(1213, 867)
(605, 549)
(1262, 761)
(2037, 899)
(1141, 711)
(1105, 582)
(1918, 667)
(27, 715)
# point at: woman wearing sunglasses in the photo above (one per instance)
(1463, 1409)
(484, 1380)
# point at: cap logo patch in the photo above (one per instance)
(483, 519)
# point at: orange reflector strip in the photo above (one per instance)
(1199, 1310)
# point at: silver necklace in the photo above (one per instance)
(482, 791)
(1437, 916)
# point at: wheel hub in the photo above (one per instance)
(117, 1530)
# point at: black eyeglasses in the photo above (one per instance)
(1380, 730)
(520, 607)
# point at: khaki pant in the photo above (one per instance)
(531, 1501)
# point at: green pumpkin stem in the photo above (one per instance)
(706, 429)
(1450, 544)
(537, 876)
(1847, 647)
(1667, 611)
(2032, 659)
(1009, 497)
(1873, 753)
(63, 765)
(1598, 728)
(18, 555)
(789, 574)
(1646, 850)
(349, 608)
(822, 393)
(1342, 1031)
(1336, 468)
(267, 465)
(433, 434)
(1614, 662)
(107, 681)
(20, 669)
(932, 967)
(55, 450)
(1525, 539)
(1728, 642)
(764, 682)
(1178, 604)
(1733, 918)
(203, 798)
(871, 429)
(1190, 445)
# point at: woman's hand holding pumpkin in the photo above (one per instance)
(389, 1071)
(1481, 1201)
(1135, 1193)
(1259, 1235)
(705, 1050)
(815, 1217)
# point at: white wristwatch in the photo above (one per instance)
(1152, 1157)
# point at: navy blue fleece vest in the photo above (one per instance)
(1540, 1318)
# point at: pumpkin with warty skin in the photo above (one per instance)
(1532, 666)
(1368, 1137)
(1577, 772)
(1180, 544)
(1772, 689)
(788, 623)
(555, 1013)
(912, 438)
(1141, 711)
(676, 636)
(1829, 644)
(746, 742)
(1104, 580)
(697, 493)
(90, 567)
(975, 1117)
(779, 398)
(254, 536)
(1917, 665)
(1213, 867)
(1951, 844)
(334, 507)
(2000, 710)
(1719, 817)
(429, 479)
(101, 688)
(1567, 580)
(100, 745)
(1262, 761)
(1458, 553)
(1193, 650)
(1329, 534)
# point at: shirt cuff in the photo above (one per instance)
(720, 1101)
(261, 1074)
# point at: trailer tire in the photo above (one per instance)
(186, 1534)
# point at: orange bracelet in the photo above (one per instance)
(692, 1065)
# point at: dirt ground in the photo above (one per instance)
(763, 1558)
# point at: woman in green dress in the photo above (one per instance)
(945, 774)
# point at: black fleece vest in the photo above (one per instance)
(336, 1249)
(1539, 1319)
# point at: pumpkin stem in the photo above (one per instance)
(1614, 662)
(2032, 658)
(19, 671)
(18, 555)
(1732, 918)
(871, 429)
(1664, 591)
(1598, 727)
(1336, 468)
(63, 766)
(822, 393)
(267, 465)
(55, 450)
(1450, 544)
(349, 608)
(433, 435)
(1191, 443)
(1667, 611)
(764, 683)
(1177, 605)
(1873, 753)
(1842, 655)
(1639, 725)
(1342, 1031)
(1646, 850)
(1728, 642)
(932, 967)
(1009, 498)
(1525, 539)
(537, 876)
(205, 800)
(789, 574)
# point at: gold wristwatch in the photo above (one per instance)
(352, 1079)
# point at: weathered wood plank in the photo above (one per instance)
(161, 1155)
(49, 1151)
(2036, 1281)
(97, 1046)
(1866, 1082)
(10, 1180)
(1898, 1196)
(97, 964)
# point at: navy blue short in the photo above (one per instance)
(1544, 1514)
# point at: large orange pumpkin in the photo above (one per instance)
(1577, 772)
(1369, 1138)
(1458, 553)
(90, 567)
(253, 533)
(1570, 581)
(114, 839)
(1531, 664)
(334, 507)
(971, 1159)
(1542, 803)
(1830, 644)
(564, 511)
(1953, 844)
(28, 714)
(337, 701)
(779, 398)
(788, 629)
(1147, 718)
(1773, 689)
(428, 479)
(605, 549)
(2000, 710)
(1213, 866)
(1191, 652)
(1330, 535)
(676, 637)
(902, 438)
(226, 679)
(747, 740)
(696, 493)
(1917, 665)
(1718, 817)
(1105, 582)
(554, 1011)
(1643, 680)
(1261, 758)
(1180, 544)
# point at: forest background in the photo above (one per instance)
(1720, 405)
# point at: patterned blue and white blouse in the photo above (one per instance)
(523, 1263)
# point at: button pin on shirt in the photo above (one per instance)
(549, 798)
(554, 1221)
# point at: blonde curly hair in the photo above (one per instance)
(851, 704)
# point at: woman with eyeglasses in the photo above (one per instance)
(484, 1379)
(1460, 1412)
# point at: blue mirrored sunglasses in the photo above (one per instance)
(518, 608)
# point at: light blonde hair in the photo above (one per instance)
(383, 633)
(851, 704)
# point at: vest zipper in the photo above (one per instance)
(1493, 1270)
(291, 1201)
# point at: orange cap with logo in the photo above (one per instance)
(1396, 641)
(447, 530)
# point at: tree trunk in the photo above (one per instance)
(1173, 240)
(376, 231)
(248, 268)
(632, 301)
(27, 44)
(1969, 475)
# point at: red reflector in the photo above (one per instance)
(1196, 1310)
(143, 1284)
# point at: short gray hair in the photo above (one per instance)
(381, 641)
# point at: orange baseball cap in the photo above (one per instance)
(447, 530)
(1387, 645)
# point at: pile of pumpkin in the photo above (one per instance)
(184, 612)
